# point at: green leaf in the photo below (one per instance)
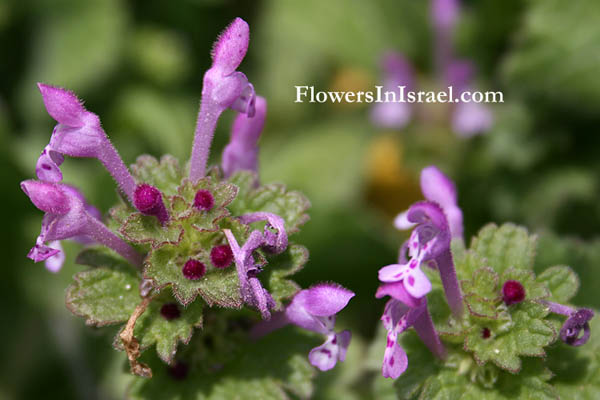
(273, 198)
(582, 256)
(140, 229)
(165, 175)
(526, 333)
(466, 262)
(153, 329)
(562, 282)
(459, 377)
(563, 43)
(218, 286)
(279, 268)
(107, 294)
(274, 368)
(505, 246)
(484, 284)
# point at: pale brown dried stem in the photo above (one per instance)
(131, 344)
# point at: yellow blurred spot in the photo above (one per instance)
(390, 185)
(351, 79)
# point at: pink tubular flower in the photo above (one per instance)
(67, 217)
(435, 222)
(223, 88)
(398, 317)
(242, 151)
(397, 72)
(78, 134)
(314, 309)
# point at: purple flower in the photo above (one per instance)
(276, 242)
(223, 88)
(397, 72)
(67, 217)
(414, 280)
(429, 243)
(398, 317)
(577, 321)
(78, 134)
(251, 289)
(468, 119)
(437, 187)
(314, 309)
(444, 14)
(242, 151)
(55, 262)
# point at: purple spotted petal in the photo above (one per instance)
(325, 356)
(416, 283)
(395, 360)
(41, 252)
(47, 167)
(397, 291)
(394, 272)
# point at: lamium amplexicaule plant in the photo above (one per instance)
(191, 254)
(195, 262)
(483, 318)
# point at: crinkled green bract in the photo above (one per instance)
(211, 307)
(498, 351)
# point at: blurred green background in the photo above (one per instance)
(139, 66)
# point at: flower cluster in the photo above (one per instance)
(181, 232)
(434, 222)
(468, 118)
(501, 292)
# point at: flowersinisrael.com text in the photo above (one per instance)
(310, 95)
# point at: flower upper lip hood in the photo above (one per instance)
(223, 87)
(314, 309)
(78, 134)
(67, 217)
